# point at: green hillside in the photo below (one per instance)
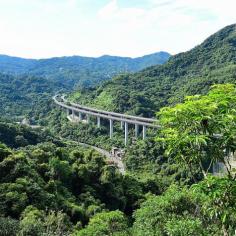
(27, 85)
(78, 70)
(144, 93)
(51, 187)
(25, 96)
(16, 135)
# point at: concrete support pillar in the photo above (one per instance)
(111, 128)
(122, 125)
(144, 132)
(80, 116)
(67, 112)
(73, 114)
(99, 121)
(136, 130)
(88, 119)
(126, 133)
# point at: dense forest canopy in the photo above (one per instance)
(26, 96)
(50, 186)
(192, 72)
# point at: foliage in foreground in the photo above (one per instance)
(40, 180)
(60, 189)
(202, 132)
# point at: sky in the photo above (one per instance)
(50, 28)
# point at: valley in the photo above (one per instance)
(171, 119)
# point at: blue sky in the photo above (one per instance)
(48, 28)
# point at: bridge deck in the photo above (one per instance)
(125, 116)
(105, 114)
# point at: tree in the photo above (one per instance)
(202, 130)
(182, 226)
(218, 198)
(106, 223)
(21, 141)
(31, 223)
(57, 223)
(8, 226)
(4, 151)
(174, 213)
(37, 223)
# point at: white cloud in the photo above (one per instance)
(109, 10)
(44, 28)
(172, 25)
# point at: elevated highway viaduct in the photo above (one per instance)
(76, 112)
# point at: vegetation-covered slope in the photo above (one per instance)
(14, 65)
(143, 93)
(25, 95)
(27, 85)
(63, 189)
(15, 136)
(77, 70)
(57, 187)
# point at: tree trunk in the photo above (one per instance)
(225, 232)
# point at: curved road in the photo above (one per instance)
(108, 155)
(104, 152)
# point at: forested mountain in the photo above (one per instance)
(24, 95)
(77, 70)
(192, 72)
(27, 85)
(15, 65)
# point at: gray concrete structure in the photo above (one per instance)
(80, 116)
(111, 116)
(136, 130)
(98, 122)
(126, 133)
(88, 118)
(144, 132)
(111, 128)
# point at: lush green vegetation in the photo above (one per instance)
(25, 96)
(202, 130)
(77, 70)
(50, 185)
(199, 133)
(59, 188)
(16, 136)
(188, 73)
(26, 86)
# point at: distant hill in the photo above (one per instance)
(192, 72)
(77, 70)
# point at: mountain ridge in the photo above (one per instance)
(188, 73)
(79, 70)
